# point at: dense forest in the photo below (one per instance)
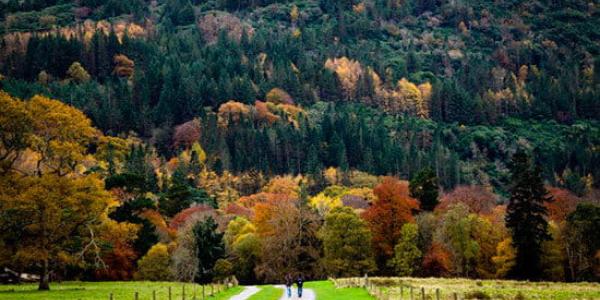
(191, 133)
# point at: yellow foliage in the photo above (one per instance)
(324, 204)
(348, 72)
(505, 257)
(284, 185)
(294, 13)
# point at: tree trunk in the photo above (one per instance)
(44, 277)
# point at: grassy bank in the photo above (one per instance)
(102, 290)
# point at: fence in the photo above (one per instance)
(386, 289)
(195, 293)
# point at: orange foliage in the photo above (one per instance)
(279, 96)
(124, 67)
(183, 216)
(232, 111)
(436, 261)
(262, 197)
(392, 209)
(563, 203)
(477, 198)
(263, 113)
(163, 231)
(264, 212)
(286, 185)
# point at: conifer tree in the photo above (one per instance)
(526, 217)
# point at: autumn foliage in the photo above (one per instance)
(392, 209)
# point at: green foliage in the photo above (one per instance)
(424, 187)
(345, 251)
(407, 256)
(526, 216)
(209, 249)
(154, 266)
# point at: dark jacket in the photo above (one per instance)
(288, 280)
(300, 280)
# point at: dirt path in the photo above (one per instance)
(246, 293)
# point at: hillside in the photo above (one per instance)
(461, 137)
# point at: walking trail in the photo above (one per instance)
(307, 294)
(246, 293)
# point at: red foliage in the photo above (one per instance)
(238, 210)
(392, 209)
(563, 203)
(477, 198)
(436, 261)
(186, 134)
(120, 263)
(183, 216)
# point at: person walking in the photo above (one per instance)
(288, 284)
(299, 283)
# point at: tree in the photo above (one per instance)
(526, 216)
(582, 239)
(55, 212)
(477, 198)
(154, 266)
(505, 258)
(124, 67)
(345, 252)
(209, 248)
(288, 228)
(424, 187)
(457, 232)
(386, 216)
(47, 213)
(407, 256)
(78, 73)
(243, 245)
(15, 130)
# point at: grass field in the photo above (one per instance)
(102, 290)
(267, 292)
(477, 289)
(325, 290)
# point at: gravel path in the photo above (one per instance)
(307, 294)
(246, 293)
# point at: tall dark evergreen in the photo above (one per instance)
(425, 188)
(209, 248)
(526, 217)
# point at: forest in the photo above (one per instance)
(188, 140)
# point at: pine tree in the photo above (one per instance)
(424, 187)
(209, 248)
(526, 217)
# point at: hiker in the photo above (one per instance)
(288, 284)
(299, 283)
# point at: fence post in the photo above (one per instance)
(401, 293)
(194, 291)
(203, 295)
(183, 291)
(437, 294)
(422, 293)
(153, 295)
(411, 293)
(455, 296)
(136, 296)
(170, 293)
(110, 296)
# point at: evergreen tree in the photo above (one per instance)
(526, 217)
(209, 248)
(424, 187)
